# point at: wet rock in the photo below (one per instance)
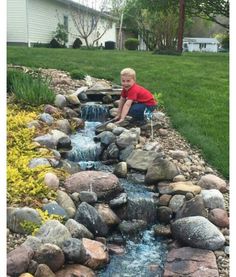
(164, 188)
(136, 178)
(105, 185)
(197, 231)
(88, 196)
(112, 151)
(97, 253)
(51, 255)
(124, 153)
(164, 214)
(132, 227)
(18, 260)
(78, 230)
(192, 262)
(176, 202)
(106, 137)
(90, 218)
(164, 200)
(119, 200)
(121, 170)
(162, 230)
(107, 214)
(115, 249)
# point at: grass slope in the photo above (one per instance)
(194, 86)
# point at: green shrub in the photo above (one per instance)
(110, 45)
(173, 52)
(77, 74)
(55, 44)
(131, 44)
(77, 43)
(30, 90)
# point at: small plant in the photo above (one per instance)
(30, 90)
(77, 74)
(61, 35)
(55, 44)
(110, 45)
(77, 43)
(131, 44)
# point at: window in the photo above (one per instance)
(202, 45)
(66, 22)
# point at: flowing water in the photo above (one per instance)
(144, 255)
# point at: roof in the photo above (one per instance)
(201, 40)
(83, 7)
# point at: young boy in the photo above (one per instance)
(134, 98)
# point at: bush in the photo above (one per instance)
(41, 45)
(55, 44)
(29, 90)
(77, 74)
(225, 42)
(167, 52)
(110, 45)
(131, 44)
(77, 43)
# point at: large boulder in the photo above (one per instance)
(211, 181)
(197, 231)
(105, 185)
(75, 270)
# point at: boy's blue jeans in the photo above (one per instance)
(137, 111)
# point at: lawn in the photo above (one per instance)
(194, 87)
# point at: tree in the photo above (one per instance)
(91, 22)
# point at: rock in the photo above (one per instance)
(52, 231)
(192, 262)
(112, 151)
(178, 154)
(118, 130)
(50, 109)
(119, 200)
(39, 162)
(18, 260)
(132, 227)
(33, 242)
(105, 185)
(121, 170)
(107, 214)
(44, 271)
(51, 181)
(184, 187)
(47, 118)
(55, 209)
(88, 196)
(17, 218)
(51, 255)
(219, 217)
(193, 207)
(211, 181)
(97, 253)
(73, 99)
(74, 251)
(63, 125)
(60, 101)
(124, 153)
(64, 200)
(213, 199)
(129, 137)
(75, 270)
(106, 137)
(164, 214)
(115, 249)
(90, 218)
(160, 170)
(197, 231)
(162, 230)
(78, 230)
(176, 202)
(141, 160)
(33, 124)
(164, 200)
(179, 178)
(136, 178)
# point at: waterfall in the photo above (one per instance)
(94, 112)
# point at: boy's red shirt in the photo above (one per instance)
(139, 94)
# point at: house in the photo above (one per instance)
(35, 21)
(200, 44)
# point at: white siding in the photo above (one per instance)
(16, 21)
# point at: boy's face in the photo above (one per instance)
(127, 82)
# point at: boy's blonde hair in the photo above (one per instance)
(128, 72)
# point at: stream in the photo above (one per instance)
(144, 254)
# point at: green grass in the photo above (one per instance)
(194, 87)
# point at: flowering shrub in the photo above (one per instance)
(25, 186)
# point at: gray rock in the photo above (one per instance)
(124, 153)
(39, 162)
(129, 137)
(88, 196)
(33, 242)
(176, 202)
(106, 137)
(213, 199)
(121, 170)
(74, 251)
(160, 170)
(78, 230)
(51, 255)
(47, 118)
(119, 200)
(52, 231)
(17, 217)
(46, 140)
(64, 200)
(132, 227)
(60, 101)
(118, 130)
(164, 214)
(63, 125)
(197, 231)
(55, 209)
(90, 218)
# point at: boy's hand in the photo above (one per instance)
(119, 121)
